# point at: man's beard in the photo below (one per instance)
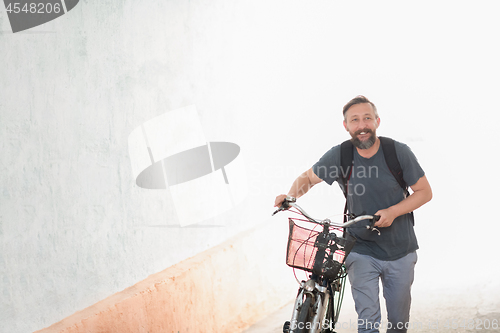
(364, 144)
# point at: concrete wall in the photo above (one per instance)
(223, 289)
(270, 76)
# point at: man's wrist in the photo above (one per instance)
(394, 211)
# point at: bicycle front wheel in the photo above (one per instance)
(304, 315)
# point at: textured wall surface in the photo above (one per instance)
(270, 76)
(223, 289)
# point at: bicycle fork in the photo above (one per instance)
(319, 304)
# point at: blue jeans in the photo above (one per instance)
(397, 277)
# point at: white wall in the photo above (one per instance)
(271, 76)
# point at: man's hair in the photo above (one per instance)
(359, 100)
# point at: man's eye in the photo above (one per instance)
(353, 120)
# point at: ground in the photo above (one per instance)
(440, 311)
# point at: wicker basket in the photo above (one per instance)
(303, 247)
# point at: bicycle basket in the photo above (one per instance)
(302, 249)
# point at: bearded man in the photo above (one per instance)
(389, 255)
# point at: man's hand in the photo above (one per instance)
(386, 218)
(422, 193)
(279, 200)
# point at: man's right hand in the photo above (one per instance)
(279, 200)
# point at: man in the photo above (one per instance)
(372, 189)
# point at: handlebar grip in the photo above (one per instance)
(285, 204)
(373, 221)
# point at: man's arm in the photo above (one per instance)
(300, 186)
(422, 193)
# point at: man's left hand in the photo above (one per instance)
(386, 218)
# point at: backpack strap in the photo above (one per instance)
(391, 158)
(346, 166)
(346, 161)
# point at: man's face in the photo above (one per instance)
(361, 123)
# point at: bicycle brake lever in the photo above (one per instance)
(371, 227)
(375, 229)
(281, 208)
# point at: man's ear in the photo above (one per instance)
(345, 126)
(378, 122)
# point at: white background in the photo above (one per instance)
(271, 76)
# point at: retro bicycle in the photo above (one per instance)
(321, 253)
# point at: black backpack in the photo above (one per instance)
(346, 162)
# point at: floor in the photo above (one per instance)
(274, 322)
(432, 311)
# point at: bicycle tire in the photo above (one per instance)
(304, 315)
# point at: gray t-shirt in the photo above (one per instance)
(372, 187)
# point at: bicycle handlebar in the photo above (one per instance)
(290, 202)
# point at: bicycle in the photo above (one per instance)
(322, 253)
